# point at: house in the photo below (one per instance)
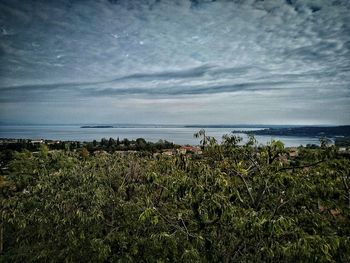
(169, 152)
(182, 150)
(40, 141)
(342, 149)
(293, 152)
(53, 142)
(189, 149)
(284, 158)
(100, 152)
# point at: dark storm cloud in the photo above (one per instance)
(73, 51)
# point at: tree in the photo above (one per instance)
(231, 140)
(325, 142)
(111, 142)
(104, 142)
(43, 151)
(141, 143)
(205, 139)
(84, 153)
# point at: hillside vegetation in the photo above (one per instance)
(231, 204)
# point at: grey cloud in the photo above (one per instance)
(191, 73)
(58, 92)
(189, 90)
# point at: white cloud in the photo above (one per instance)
(271, 58)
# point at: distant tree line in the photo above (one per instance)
(109, 145)
(139, 144)
(9, 147)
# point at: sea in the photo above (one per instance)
(172, 133)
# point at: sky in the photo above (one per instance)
(175, 61)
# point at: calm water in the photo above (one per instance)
(179, 135)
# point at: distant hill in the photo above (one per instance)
(307, 131)
(98, 126)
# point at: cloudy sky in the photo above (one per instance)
(175, 61)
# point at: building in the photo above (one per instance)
(293, 152)
(169, 152)
(40, 141)
(189, 149)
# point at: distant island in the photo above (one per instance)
(97, 126)
(258, 126)
(307, 131)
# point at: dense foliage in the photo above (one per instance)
(232, 204)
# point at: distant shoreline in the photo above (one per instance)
(306, 131)
(141, 125)
(189, 126)
(97, 126)
(180, 135)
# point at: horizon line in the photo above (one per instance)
(195, 125)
